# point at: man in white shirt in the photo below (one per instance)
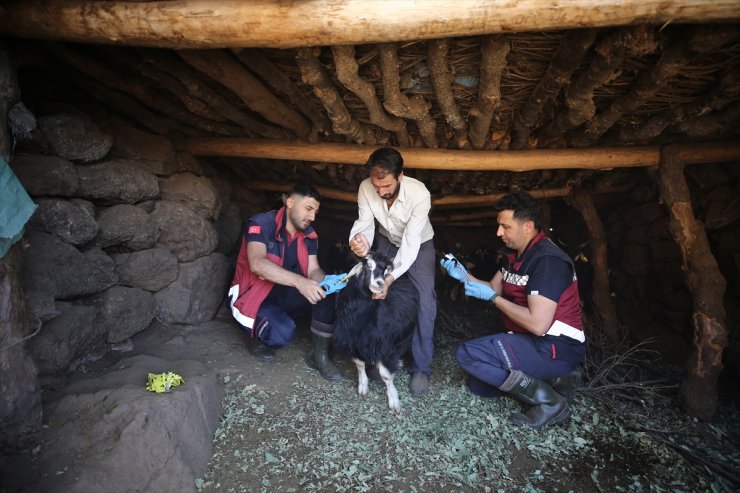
(401, 206)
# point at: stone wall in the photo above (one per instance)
(646, 278)
(128, 229)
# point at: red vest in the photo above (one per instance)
(516, 273)
(248, 291)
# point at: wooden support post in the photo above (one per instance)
(706, 284)
(582, 201)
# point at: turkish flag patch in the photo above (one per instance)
(254, 230)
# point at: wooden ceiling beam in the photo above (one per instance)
(459, 160)
(273, 23)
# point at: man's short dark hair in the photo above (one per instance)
(387, 159)
(525, 207)
(305, 190)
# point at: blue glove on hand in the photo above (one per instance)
(454, 268)
(479, 290)
(333, 283)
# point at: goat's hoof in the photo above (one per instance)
(395, 410)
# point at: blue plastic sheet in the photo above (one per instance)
(16, 207)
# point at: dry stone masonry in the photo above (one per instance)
(126, 231)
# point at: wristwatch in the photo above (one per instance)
(493, 298)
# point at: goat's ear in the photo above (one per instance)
(355, 270)
(388, 270)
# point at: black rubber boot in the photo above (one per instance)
(260, 351)
(568, 384)
(548, 407)
(318, 358)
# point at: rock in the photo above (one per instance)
(68, 221)
(229, 228)
(123, 312)
(46, 175)
(41, 306)
(151, 269)
(188, 162)
(155, 152)
(197, 192)
(53, 266)
(126, 225)
(196, 294)
(75, 137)
(117, 182)
(71, 335)
(183, 232)
(108, 433)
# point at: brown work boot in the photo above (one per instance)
(419, 384)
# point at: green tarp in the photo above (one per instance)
(16, 207)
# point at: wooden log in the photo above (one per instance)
(222, 67)
(163, 78)
(644, 89)
(199, 89)
(396, 103)
(609, 55)
(441, 77)
(347, 71)
(494, 51)
(705, 282)
(342, 122)
(715, 123)
(134, 87)
(571, 50)
(725, 91)
(123, 103)
(270, 23)
(279, 81)
(446, 159)
(582, 201)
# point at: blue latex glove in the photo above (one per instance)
(479, 290)
(333, 283)
(454, 268)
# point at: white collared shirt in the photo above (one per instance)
(405, 224)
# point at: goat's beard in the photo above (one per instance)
(377, 289)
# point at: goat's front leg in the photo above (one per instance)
(393, 403)
(362, 377)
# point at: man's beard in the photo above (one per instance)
(389, 196)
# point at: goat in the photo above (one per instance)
(376, 332)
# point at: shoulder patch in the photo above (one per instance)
(254, 229)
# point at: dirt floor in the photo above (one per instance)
(284, 429)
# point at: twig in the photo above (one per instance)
(710, 464)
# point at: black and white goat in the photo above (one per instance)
(376, 332)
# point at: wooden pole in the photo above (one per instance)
(582, 201)
(275, 23)
(705, 282)
(458, 160)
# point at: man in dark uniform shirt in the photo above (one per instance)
(536, 289)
